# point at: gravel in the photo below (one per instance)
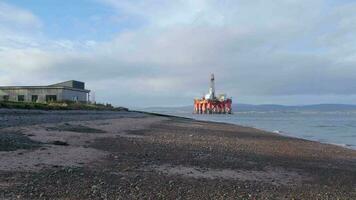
(11, 141)
(15, 118)
(76, 128)
(138, 156)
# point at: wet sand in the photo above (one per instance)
(129, 155)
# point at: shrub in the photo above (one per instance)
(60, 105)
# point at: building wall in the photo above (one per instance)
(62, 94)
(74, 95)
(72, 84)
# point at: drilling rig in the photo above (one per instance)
(212, 104)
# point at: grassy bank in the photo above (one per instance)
(59, 106)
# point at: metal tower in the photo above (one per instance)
(212, 86)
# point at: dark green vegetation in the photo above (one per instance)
(11, 141)
(76, 128)
(67, 105)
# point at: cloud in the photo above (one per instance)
(11, 15)
(19, 28)
(256, 49)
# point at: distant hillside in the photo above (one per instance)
(265, 108)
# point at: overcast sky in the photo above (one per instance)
(157, 52)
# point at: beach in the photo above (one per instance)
(135, 155)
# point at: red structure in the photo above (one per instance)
(210, 104)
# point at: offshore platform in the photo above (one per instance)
(212, 104)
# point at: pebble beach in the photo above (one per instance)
(134, 155)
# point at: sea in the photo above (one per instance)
(332, 127)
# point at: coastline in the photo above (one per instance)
(283, 132)
(140, 155)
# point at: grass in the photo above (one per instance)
(65, 105)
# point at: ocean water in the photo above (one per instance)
(338, 127)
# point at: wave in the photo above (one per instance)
(341, 144)
(346, 145)
(296, 112)
(277, 131)
(326, 126)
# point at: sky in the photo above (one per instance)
(140, 53)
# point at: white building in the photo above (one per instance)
(65, 91)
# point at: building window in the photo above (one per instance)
(21, 98)
(50, 98)
(6, 97)
(34, 98)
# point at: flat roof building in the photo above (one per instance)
(65, 91)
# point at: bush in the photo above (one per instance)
(62, 105)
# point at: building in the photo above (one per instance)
(69, 90)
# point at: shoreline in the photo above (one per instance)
(280, 132)
(135, 155)
(83, 112)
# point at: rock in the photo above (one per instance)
(60, 143)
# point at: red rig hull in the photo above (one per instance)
(208, 106)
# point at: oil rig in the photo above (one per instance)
(212, 104)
